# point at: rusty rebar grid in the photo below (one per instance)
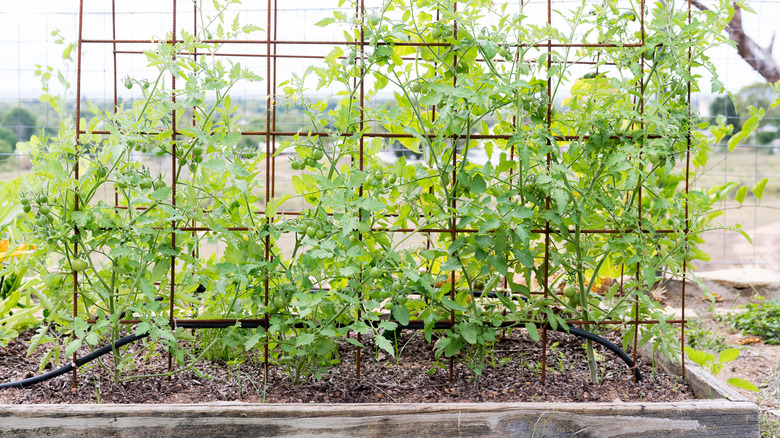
(271, 133)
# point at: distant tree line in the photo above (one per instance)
(760, 95)
(16, 124)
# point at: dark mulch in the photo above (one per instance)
(512, 374)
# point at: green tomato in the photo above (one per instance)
(417, 86)
(569, 291)
(505, 53)
(311, 232)
(320, 234)
(310, 162)
(43, 199)
(197, 158)
(436, 33)
(392, 178)
(197, 150)
(280, 302)
(25, 201)
(146, 184)
(129, 85)
(375, 272)
(27, 208)
(44, 210)
(317, 154)
(102, 172)
(654, 158)
(79, 265)
(158, 184)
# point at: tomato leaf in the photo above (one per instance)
(742, 384)
(532, 331)
(469, 332)
(728, 355)
(401, 314)
(452, 305)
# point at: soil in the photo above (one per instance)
(512, 374)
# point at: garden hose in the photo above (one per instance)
(412, 325)
(79, 362)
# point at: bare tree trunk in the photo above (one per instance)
(758, 57)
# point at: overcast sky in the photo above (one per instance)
(26, 26)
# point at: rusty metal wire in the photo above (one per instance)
(270, 45)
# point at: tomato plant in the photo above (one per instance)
(444, 238)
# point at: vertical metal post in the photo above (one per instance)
(174, 182)
(453, 218)
(546, 278)
(687, 218)
(76, 176)
(362, 15)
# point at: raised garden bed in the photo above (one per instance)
(716, 411)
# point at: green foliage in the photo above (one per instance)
(596, 163)
(760, 319)
(7, 142)
(724, 106)
(699, 337)
(21, 122)
(715, 365)
(17, 310)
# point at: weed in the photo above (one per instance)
(768, 424)
(760, 319)
(715, 364)
(699, 337)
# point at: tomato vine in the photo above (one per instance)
(444, 238)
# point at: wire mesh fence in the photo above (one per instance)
(118, 37)
(28, 42)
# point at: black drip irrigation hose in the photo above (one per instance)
(195, 325)
(608, 345)
(79, 362)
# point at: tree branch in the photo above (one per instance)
(758, 57)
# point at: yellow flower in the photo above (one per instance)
(18, 252)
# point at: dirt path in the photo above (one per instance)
(758, 362)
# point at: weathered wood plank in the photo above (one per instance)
(726, 414)
(709, 418)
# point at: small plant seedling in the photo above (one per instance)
(715, 364)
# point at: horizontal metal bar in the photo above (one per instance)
(415, 324)
(384, 135)
(428, 230)
(276, 55)
(357, 43)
